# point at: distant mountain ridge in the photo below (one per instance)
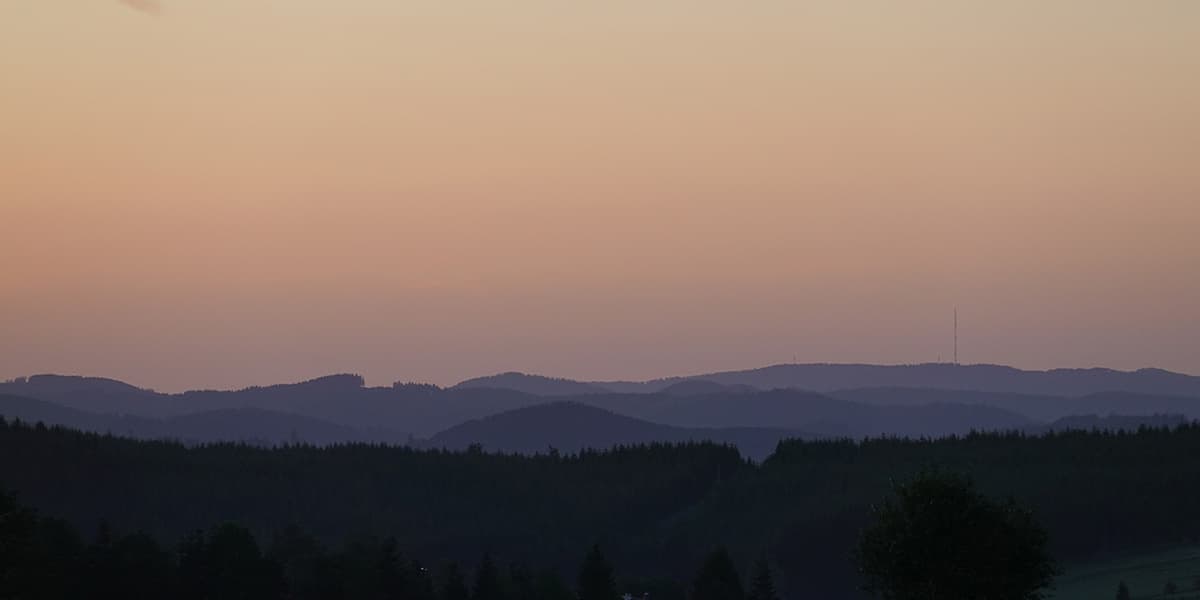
(249, 425)
(416, 410)
(851, 401)
(1038, 407)
(829, 377)
(569, 427)
(1112, 423)
(537, 385)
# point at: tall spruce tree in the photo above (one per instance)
(763, 585)
(718, 578)
(487, 581)
(521, 583)
(596, 580)
(551, 586)
(454, 586)
(17, 530)
(1122, 591)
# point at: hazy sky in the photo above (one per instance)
(217, 193)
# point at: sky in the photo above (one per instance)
(221, 193)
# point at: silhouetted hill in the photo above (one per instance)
(40, 411)
(270, 427)
(532, 384)
(811, 412)
(571, 427)
(794, 410)
(249, 425)
(92, 394)
(993, 378)
(424, 410)
(834, 377)
(1123, 403)
(1113, 423)
(419, 410)
(701, 387)
(1038, 407)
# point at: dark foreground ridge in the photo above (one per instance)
(657, 509)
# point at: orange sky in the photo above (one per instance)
(232, 192)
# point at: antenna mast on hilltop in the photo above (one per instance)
(955, 335)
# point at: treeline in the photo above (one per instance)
(656, 510)
(45, 558)
(445, 506)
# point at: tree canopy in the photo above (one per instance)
(657, 509)
(596, 580)
(718, 578)
(938, 538)
(762, 586)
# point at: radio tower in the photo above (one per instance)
(956, 335)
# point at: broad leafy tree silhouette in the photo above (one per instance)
(937, 538)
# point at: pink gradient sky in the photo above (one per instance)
(218, 193)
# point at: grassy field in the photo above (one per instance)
(1145, 574)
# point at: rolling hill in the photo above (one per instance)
(1037, 407)
(532, 384)
(250, 425)
(570, 427)
(992, 378)
(734, 399)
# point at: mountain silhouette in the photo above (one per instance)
(570, 427)
(993, 378)
(1037, 407)
(809, 411)
(1112, 423)
(342, 407)
(418, 410)
(703, 387)
(532, 384)
(92, 393)
(250, 425)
